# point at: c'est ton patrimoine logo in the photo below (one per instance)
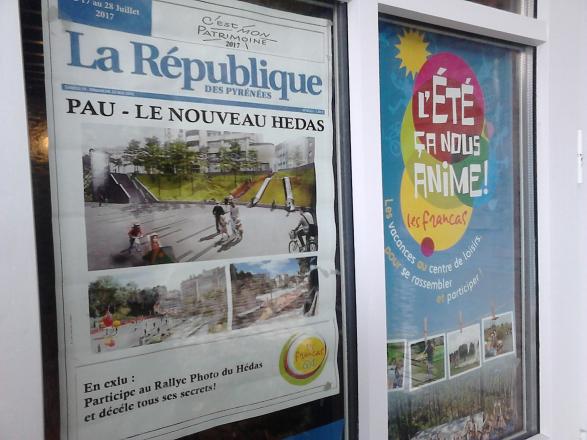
(303, 358)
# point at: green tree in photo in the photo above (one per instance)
(132, 154)
(297, 157)
(107, 294)
(224, 162)
(230, 159)
(202, 162)
(151, 154)
(179, 160)
(141, 302)
(252, 160)
(103, 296)
(191, 160)
(116, 163)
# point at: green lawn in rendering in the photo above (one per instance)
(252, 192)
(198, 187)
(303, 183)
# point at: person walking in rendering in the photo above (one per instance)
(218, 212)
(101, 195)
(223, 228)
(235, 222)
(398, 381)
(429, 357)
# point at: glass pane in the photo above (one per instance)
(459, 321)
(186, 279)
(517, 6)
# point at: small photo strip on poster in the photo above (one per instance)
(177, 304)
(396, 364)
(499, 337)
(427, 361)
(184, 303)
(276, 290)
(464, 350)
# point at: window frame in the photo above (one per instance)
(453, 15)
(24, 417)
(342, 206)
(525, 7)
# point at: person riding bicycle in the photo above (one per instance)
(134, 234)
(303, 228)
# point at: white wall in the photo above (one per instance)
(562, 205)
(21, 404)
(562, 208)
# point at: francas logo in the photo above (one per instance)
(302, 358)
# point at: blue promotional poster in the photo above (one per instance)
(450, 143)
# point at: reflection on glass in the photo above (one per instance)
(450, 131)
(516, 6)
(326, 413)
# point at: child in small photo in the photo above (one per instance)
(395, 365)
(427, 361)
(498, 336)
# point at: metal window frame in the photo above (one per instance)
(343, 215)
(455, 16)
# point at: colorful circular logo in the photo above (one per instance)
(303, 358)
(445, 150)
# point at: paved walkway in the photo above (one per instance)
(150, 331)
(189, 229)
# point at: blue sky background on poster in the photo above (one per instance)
(132, 16)
(492, 221)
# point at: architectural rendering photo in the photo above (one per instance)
(155, 196)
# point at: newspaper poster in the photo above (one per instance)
(193, 195)
(449, 159)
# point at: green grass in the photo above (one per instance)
(438, 361)
(167, 188)
(417, 351)
(252, 192)
(458, 370)
(303, 183)
(395, 350)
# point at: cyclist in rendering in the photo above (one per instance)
(134, 236)
(302, 229)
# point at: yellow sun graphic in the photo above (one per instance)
(412, 51)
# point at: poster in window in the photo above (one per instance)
(452, 245)
(193, 193)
